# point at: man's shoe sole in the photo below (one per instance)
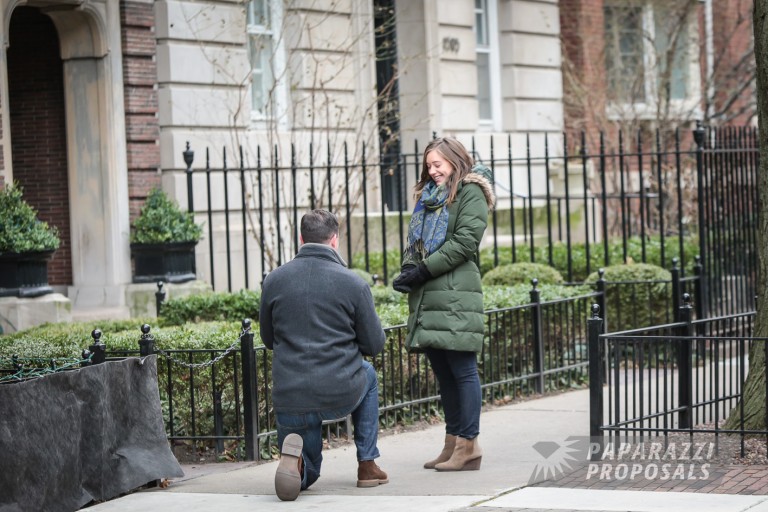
(372, 483)
(287, 477)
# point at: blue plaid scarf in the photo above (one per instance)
(429, 224)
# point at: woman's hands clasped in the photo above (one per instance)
(411, 276)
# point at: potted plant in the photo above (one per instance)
(163, 241)
(26, 245)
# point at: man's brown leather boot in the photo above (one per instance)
(369, 474)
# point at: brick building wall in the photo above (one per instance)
(583, 42)
(38, 131)
(732, 33)
(140, 78)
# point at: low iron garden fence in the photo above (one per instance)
(685, 377)
(219, 399)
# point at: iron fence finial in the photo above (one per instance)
(698, 134)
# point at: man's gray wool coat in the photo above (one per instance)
(319, 318)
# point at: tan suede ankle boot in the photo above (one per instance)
(466, 456)
(450, 444)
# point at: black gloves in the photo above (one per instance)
(411, 276)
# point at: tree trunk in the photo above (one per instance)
(753, 397)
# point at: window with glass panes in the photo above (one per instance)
(639, 39)
(260, 49)
(483, 46)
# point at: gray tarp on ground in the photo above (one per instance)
(90, 434)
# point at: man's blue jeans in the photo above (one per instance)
(459, 382)
(365, 418)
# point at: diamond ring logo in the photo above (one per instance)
(556, 458)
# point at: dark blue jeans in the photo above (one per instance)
(459, 382)
(365, 418)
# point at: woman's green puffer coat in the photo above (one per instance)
(447, 311)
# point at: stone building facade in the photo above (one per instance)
(98, 98)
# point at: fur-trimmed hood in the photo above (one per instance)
(481, 175)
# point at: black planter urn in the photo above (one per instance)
(24, 274)
(172, 262)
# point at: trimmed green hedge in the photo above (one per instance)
(561, 256)
(376, 263)
(522, 273)
(578, 254)
(67, 340)
(206, 307)
(644, 300)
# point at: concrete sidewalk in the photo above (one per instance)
(513, 438)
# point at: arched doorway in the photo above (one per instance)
(38, 127)
(67, 54)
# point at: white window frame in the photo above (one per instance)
(494, 71)
(690, 105)
(275, 106)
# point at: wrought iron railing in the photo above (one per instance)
(682, 377)
(698, 185)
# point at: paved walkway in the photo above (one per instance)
(534, 460)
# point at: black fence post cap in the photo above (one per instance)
(698, 133)
(189, 157)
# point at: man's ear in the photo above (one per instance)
(335, 241)
(301, 240)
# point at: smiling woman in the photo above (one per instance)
(438, 167)
(440, 272)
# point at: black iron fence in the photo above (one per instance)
(685, 376)
(220, 398)
(610, 200)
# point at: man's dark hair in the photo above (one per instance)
(318, 226)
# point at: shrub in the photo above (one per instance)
(578, 254)
(376, 262)
(161, 220)
(20, 229)
(637, 295)
(500, 297)
(387, 295)
(67, 340)
(368, 278)
(487, 259)
(206, 307)
(522, 273)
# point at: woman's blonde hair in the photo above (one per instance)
(455, 154)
